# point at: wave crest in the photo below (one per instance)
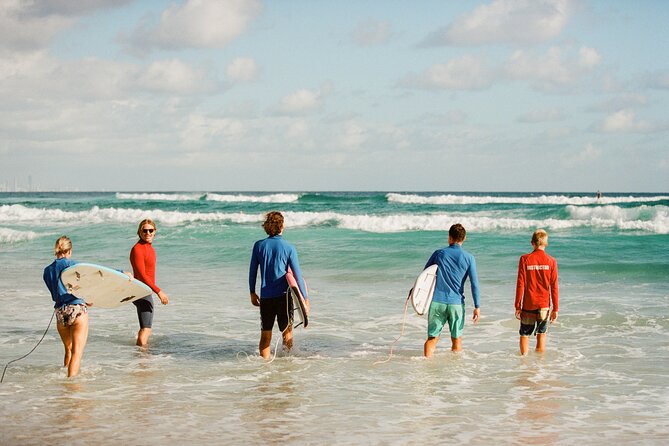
(271, 198)
(12, 236)
(654, 219)
(543, 199)
(209, 196)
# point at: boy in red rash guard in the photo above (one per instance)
(536, 289)
(143, 261)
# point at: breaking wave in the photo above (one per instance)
(654, 219)
(230, 198)
(539, 200)
(12, 236)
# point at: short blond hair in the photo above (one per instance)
(540, 238)
(63, 246)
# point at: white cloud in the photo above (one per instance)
(554, 69)
(371, 32)
(588, 155)
(197, 24)
(624, 121)
(242, 69)
(199, 132)
(506, 21)
(37, 78)
(588, 57)
(20, 31)
(31, 25)
(300, 101)
(303, 101)
(353, 135)
(463, 73)
(297, 130)
(174, 77)
(69, 7)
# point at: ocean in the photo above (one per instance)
(604, 378)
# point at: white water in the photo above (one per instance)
(602, 379)
(649, 219)
(540, 200)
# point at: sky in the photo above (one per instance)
(315, 95)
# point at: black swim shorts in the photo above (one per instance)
(144, 311)
(534, 321)
(276, 308)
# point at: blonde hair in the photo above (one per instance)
(63, 246)
(273, 223)
(540, 238)
(146, 221)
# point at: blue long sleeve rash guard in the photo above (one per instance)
(454, 265)
(274, 256)
(58, 291)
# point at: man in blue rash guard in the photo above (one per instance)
(274, 256)
(454, 265)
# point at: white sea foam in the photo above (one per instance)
(228, 198)
(12, 236)
(271, 198)
(20, 214)
(475, 221)
(643, 218)
(543, 199)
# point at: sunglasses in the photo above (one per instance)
(148, 231)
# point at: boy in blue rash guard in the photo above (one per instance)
(274, 256)
(454, 265)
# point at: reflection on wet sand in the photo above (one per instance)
(536, 417)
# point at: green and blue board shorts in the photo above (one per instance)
(441, 314)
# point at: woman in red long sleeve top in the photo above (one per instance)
(536, 289)
(143, 261)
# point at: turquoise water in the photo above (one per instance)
(603, 379)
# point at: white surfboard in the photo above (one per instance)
(423, 289)
(101, 286)
(299, 303)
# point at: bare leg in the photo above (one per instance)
(143, 337)
(430, 346)
(524, 345)
(66, 337)
(288, 337)
(265, 341)
(79, 332)
(541, 342)
(456, 344)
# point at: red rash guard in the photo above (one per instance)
(537, 281)
(143, 261)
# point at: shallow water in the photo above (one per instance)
(604, 378)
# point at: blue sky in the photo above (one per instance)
(503, 95)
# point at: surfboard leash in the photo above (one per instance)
(290, 323)
(38, 343)
(404, 318)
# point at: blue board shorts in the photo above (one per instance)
(533, 321)
(440, 314)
